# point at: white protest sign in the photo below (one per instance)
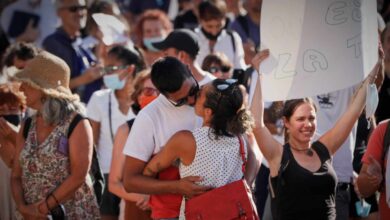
(317, 46)
(112, 28)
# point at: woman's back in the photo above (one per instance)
(218, 162)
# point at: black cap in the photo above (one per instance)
(180, 39)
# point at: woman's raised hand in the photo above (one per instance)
(260, 56)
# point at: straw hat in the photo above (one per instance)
(49, 74)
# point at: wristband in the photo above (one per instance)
(55, 199)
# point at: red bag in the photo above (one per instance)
(228, 202)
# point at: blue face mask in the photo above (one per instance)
(113, 82)
(148, 43)
(372, 100)
(362, 208)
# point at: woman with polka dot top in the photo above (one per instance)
(210, 155)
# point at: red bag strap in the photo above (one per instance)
(242, 152)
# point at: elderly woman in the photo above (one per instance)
(51, 165)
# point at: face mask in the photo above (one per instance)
(145, 100)
(113, 82)
(148, 43)
(372, 100)
(13, 119)
(209, 35)
(362, 208)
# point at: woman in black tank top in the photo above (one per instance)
(303, 181)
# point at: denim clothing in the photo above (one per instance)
(78, 58)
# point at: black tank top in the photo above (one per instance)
(302, 194)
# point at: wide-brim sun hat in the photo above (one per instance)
(48, 73)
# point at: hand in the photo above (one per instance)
(142, 201)
(260, 56)
(32, 210)
(355, 185)
(374, 171)
(249, 51)
(93, 73)
(188, 187)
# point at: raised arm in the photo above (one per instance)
(270, 147)
(334, 138)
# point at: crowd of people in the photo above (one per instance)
(156, 100)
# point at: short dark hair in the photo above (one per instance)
(21, 50)
(212, 9)
(168, 74)
(128, 56)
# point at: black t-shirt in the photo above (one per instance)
(303, 194)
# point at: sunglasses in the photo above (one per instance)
(224, 86)
(193, 92)
(111, 69)
(76, 8)
(223, 69)
(149, 91)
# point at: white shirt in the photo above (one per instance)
(155, 125)
(331, 107)
(48, 21)
(206, 79)
(98, 110)
(223, 45)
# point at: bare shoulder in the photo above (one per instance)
(182, 139)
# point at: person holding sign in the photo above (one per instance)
(301, 168)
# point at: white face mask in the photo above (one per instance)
(372, 100)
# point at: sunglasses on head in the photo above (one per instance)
(223, 69)
(76, 8)
(228, 82)
(111, 69)
(193, 92)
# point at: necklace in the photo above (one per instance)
(309, 151)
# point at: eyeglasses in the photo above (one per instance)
(149, 91)
(75, 8)
(193, 92)
(223, 69)
(111, 69)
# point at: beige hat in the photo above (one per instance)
(49, 74)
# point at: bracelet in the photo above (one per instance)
(55, 199)
(47, 203)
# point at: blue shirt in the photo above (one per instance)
(76, 56)
(253, 30)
